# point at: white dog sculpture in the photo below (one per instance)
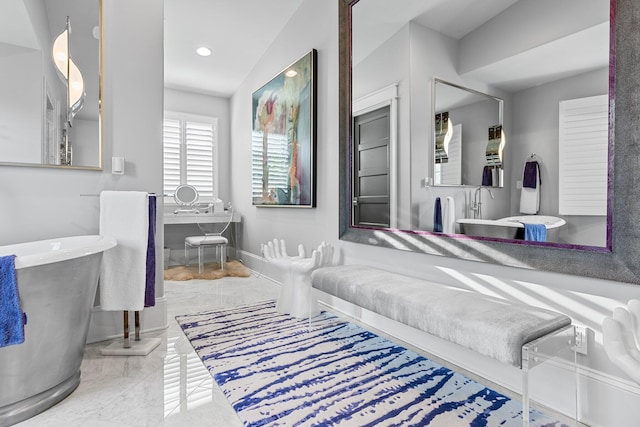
(621, 335)
(296, 296)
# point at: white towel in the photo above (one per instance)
(449, 216)
(124, 215)
(530, 200)
(530, 197)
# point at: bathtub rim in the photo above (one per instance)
(549, 221)
(516, 221)
(40, 252)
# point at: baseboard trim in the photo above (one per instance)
(609, 380)
(260, 266)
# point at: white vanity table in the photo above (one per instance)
(179, 225)
(171, 218)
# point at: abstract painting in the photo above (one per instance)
(284, 137)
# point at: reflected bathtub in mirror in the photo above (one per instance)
(512, 228)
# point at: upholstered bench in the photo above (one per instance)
(510, 332)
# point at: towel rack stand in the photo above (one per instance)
(139, 347)
(127, 347)
(127, 341)
(97, 195)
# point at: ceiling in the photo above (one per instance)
(240, 31)
(375, 21)
(585, 48)
(237, 31)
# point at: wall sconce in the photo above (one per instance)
(495, 146)
(443, 133)
(69, 72)
(117, 165)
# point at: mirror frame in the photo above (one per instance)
(618, 260)
(100, 166)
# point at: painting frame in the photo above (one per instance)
(284, 134)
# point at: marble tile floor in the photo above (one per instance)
(170, 386)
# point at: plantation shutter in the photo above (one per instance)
(199, 150)
(189, 146)
(583, 156)
(171, 156)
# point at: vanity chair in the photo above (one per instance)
(209, 239)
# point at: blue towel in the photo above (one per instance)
(437, 216)
(150, 285)
(487, 176)
(535, 232)
(12, 319)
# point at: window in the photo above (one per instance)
(190, 153)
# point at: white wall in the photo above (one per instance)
(313, 26)
(20, 97)
(608, 397)
(534, 129)
(426, 45)
(530, 123)
(388, 65)
(84, 137)
(41, 203)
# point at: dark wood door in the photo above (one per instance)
(371, 177)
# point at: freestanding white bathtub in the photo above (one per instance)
(57, 282)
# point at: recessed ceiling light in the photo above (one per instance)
(203, 51)
(291, 73)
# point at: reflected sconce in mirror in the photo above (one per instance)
(492, 174)
(69, 72)
(443, 136)
(495, 146)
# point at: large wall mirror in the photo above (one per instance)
(551, 65)
(50, 83)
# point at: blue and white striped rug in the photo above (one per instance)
(276, 371)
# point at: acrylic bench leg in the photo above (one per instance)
(525, 397)
(541, 350)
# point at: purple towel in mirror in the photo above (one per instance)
(531, 174)
(437, 216)
(487, 176)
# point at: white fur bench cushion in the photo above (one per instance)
(488, 325)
